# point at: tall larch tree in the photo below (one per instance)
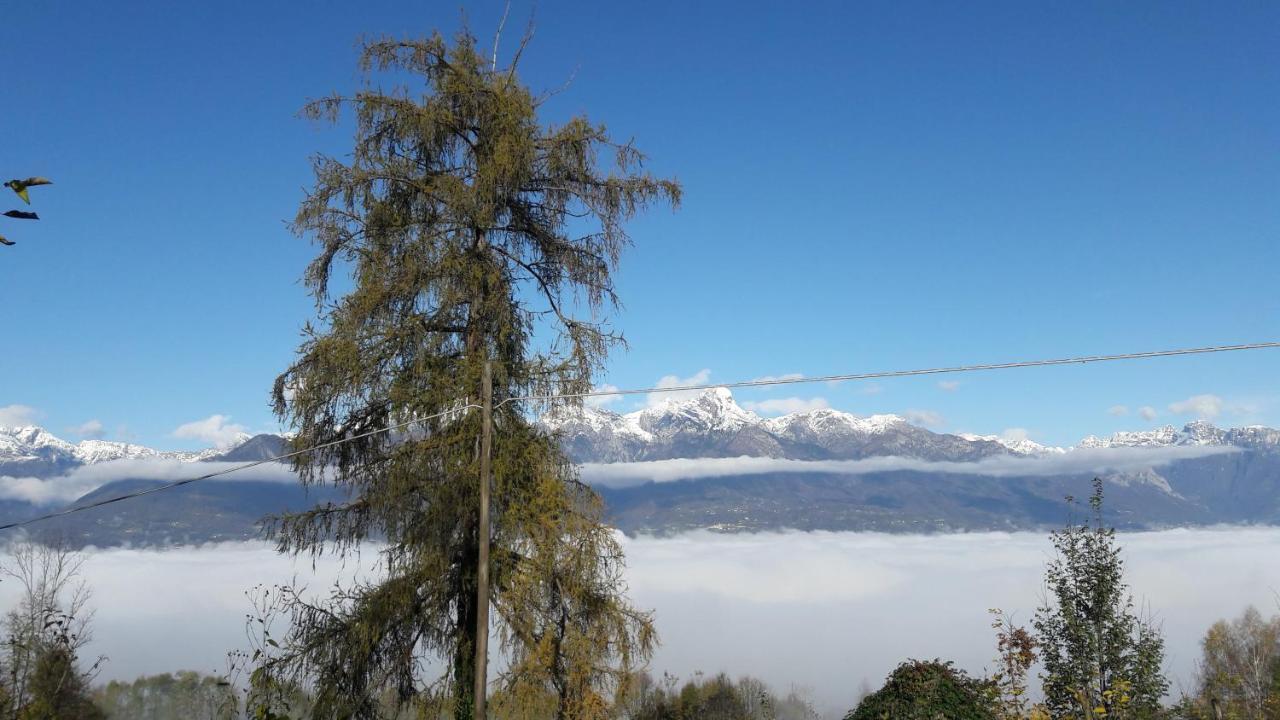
(470, 232)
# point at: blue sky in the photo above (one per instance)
(868, 187)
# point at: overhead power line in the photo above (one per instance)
(766, 382)
(639, 391)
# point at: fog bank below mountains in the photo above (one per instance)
(1091, 460)
(823, 610)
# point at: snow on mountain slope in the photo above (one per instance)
(1199, 432)
(32, 441)
(32, 450)
(710, 411)
(95, 451)
(712, 424)
(825, 422)
(708, 425)
(1017, 445)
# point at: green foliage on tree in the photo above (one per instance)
(1239, 671)
(927, 690)
(1015, 655)
(716, 698)
(470, 231)
(169, 696)
(41, 677)
(59, 691)
(1099, 658)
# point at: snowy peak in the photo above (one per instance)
(95, 451)
(1016, 445)
(34, 450)
(709, 410)
(32, 440)
(1199, 432)
(828, 422)
(712, 424)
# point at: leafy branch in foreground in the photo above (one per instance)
(19, 187)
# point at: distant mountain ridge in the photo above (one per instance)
(34, 451)
(706, 462)
(708, 425)
(711, 424)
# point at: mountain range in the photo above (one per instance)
(34, 451)
(705, 462)
(712, 424)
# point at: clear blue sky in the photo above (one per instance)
(868, 187)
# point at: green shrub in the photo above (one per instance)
(926, 690)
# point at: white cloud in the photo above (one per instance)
(775, 378)
(1118, 410)
(949, 385)
(92, 430)
(927, 418)
(707, 588)
(87, 478)
(600, 401)
(785, 406)
(1079, 461)
(1148, 413)
(1205, 407)
(18, 415)
(702, 377)
(1015, 434)
(216, 429)
(779, 606)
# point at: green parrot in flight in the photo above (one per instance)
(20, 186)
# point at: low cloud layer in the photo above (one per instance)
(87, 478)
(826, 611)
(1080, 461)
(72, 485)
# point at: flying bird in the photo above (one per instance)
(6, 241)
(20, 186)
(22, 215)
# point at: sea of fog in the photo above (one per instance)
(826, 612)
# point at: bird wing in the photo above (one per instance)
(22, 192)
(21, 215)
(37, 181)
(6, 241)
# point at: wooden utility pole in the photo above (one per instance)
(482, 574)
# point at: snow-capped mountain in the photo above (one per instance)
(1199, 432)
(1021, 486)
(32, 450)
(712, 424)
(1018, 445)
